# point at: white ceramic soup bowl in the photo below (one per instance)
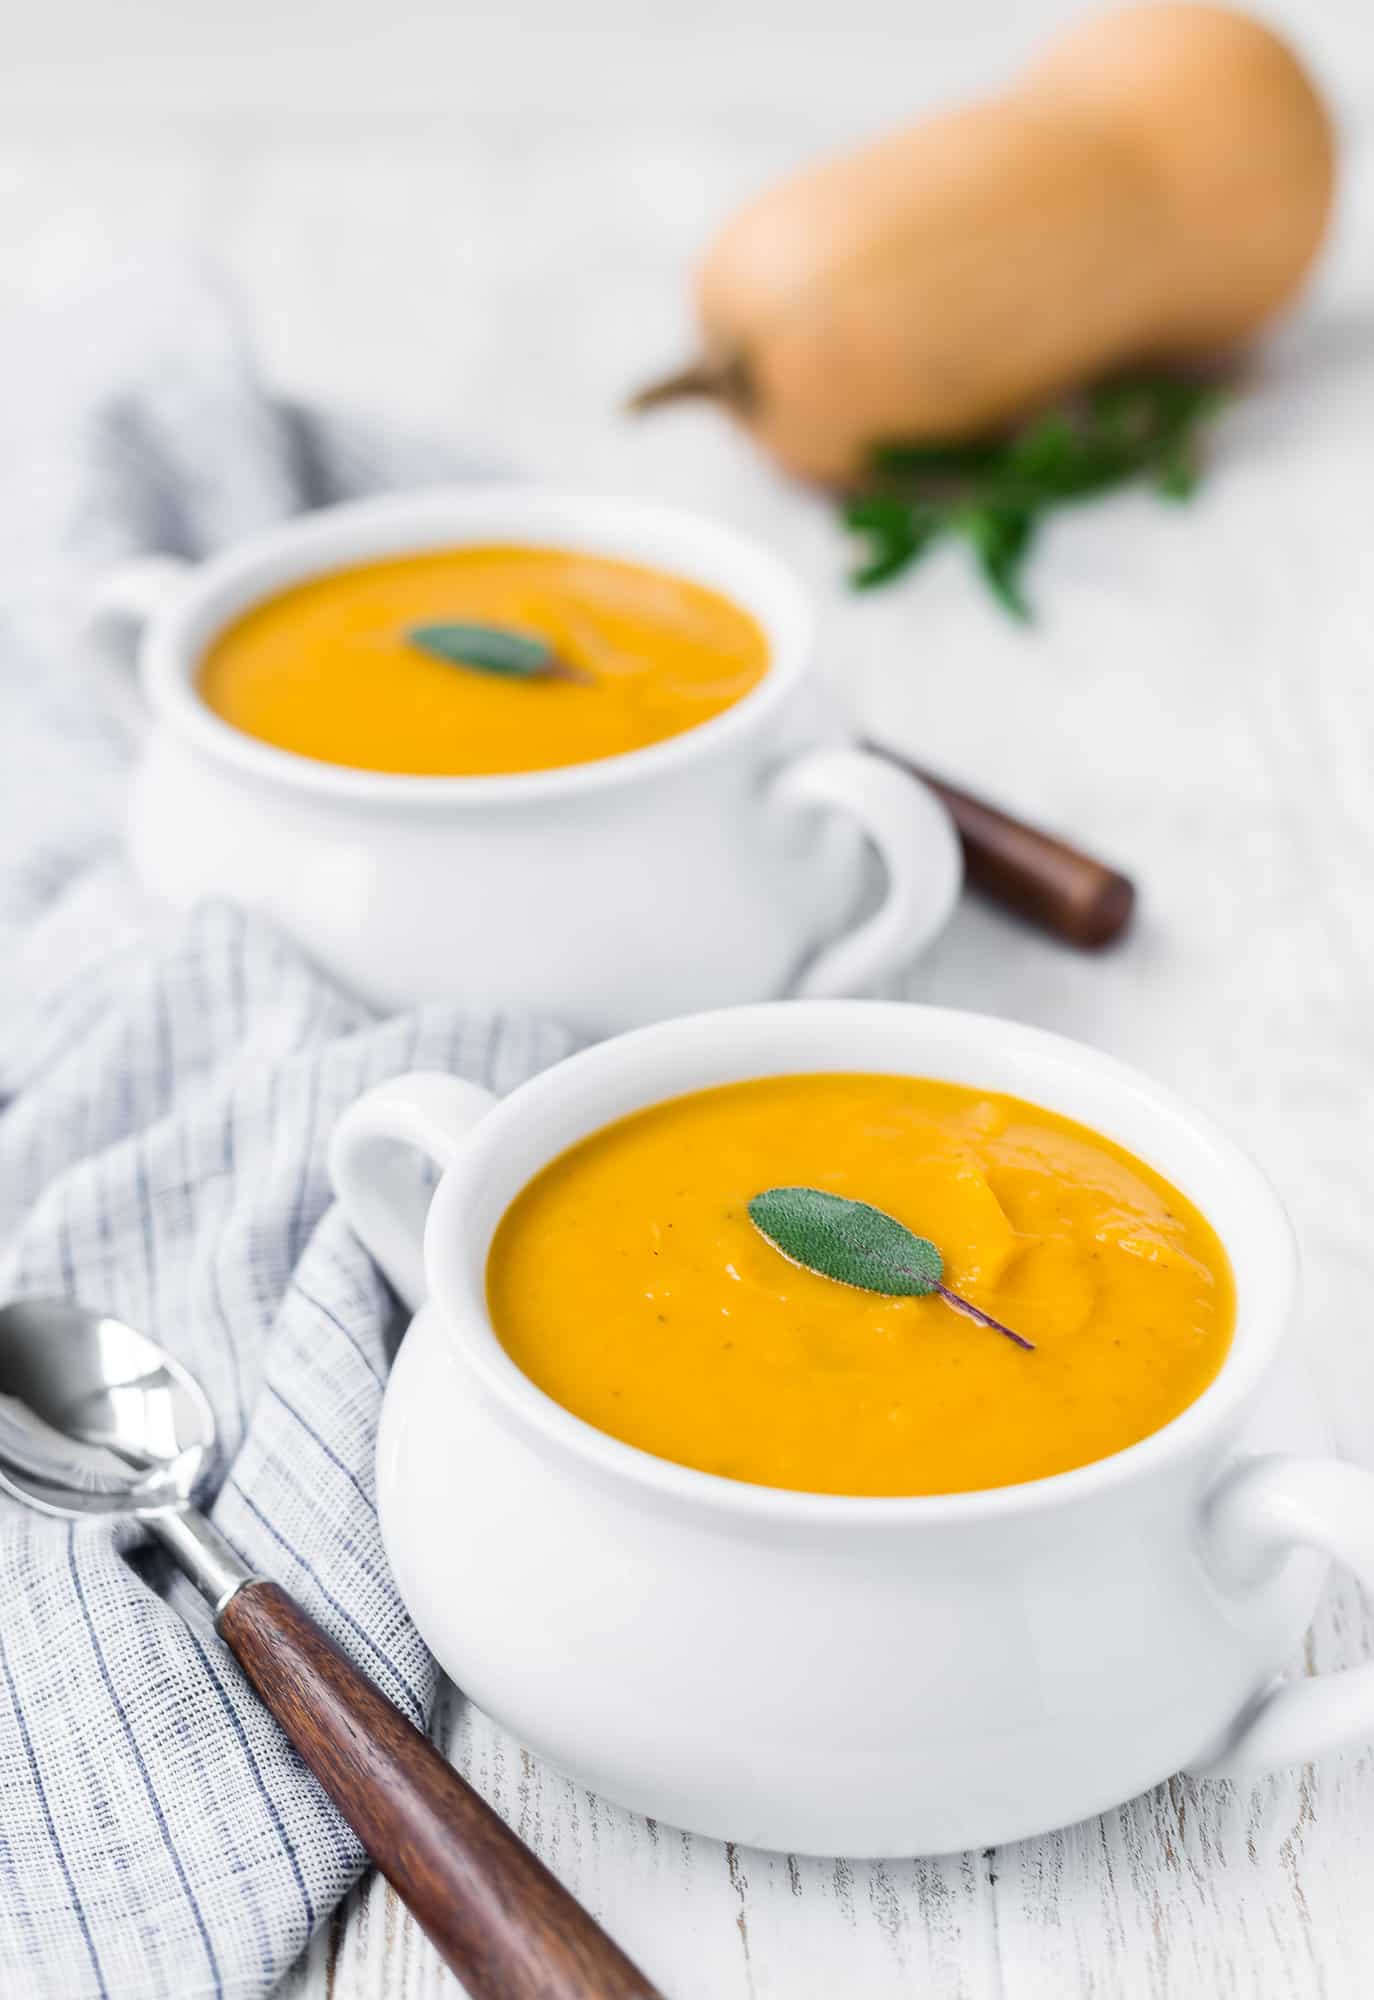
(848, 1675)
(721, 865)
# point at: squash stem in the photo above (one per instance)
(719, 378)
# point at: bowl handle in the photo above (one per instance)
(384, 1190)
(919, 849)
(1262, 1511)
(134, 592)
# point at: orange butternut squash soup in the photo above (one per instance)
(638, 1280)
(376, 667)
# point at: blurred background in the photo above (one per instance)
(481, 215)
(477, 223)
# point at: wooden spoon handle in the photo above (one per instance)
(502, 1922)
(1040, 877)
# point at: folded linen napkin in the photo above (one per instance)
(167, 1087)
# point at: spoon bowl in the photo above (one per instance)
(96, 1418)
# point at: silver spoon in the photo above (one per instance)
(96, 1420)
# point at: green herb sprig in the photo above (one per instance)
(856, 1244)
(995, 493)
(494, 649)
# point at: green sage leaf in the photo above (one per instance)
(487, 649)
(1001, 537)
(848, 1241)
(995, 491)
(938, 461)
(898, 535)
(855, 1244)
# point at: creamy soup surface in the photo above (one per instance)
(627, 1281)
(327, 668)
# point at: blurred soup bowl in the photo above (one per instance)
(726, 864)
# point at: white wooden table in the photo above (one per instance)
(1197, 701)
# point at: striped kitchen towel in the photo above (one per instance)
(167, 1086)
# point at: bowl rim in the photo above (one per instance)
(469, 1202)
(353, 531)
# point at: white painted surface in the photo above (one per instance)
(1198, 700)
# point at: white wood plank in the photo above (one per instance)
(718, 1921)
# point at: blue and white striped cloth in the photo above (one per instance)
(167, 1087)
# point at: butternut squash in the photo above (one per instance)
(1152, 190)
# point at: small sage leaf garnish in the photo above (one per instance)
(493, 649)
(856, 1244)
(848, 1241)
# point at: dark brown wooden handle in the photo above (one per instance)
(505, 1925)
(1040, 877)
